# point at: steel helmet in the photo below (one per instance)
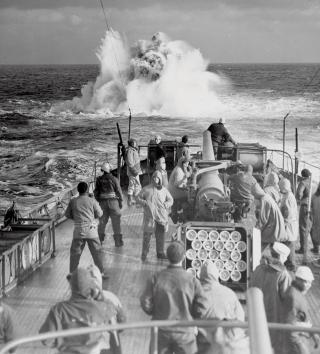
(106, 167)
(132, 142)
(305, 173)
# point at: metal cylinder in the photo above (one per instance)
(210, 184)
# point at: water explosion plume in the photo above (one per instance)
(153, 77)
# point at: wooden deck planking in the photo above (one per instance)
(32, 299)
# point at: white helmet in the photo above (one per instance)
(106, 167)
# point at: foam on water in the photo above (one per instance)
(153, 77)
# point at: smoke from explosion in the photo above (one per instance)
(153, 77)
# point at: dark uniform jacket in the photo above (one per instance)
(241, 186)
(108, 187)
(174, 294)
(303, 191)
(219, 133)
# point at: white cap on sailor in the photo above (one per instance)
(281, 249)
(305, 273)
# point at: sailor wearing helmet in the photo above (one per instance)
(133, 170)
(109, 195)
(302, 196)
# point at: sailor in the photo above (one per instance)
(112, 340)
(109, 195)
(289, 210)
(302, 196)
(272, 186)
(220, 135)
(133, 170)
(315, 218)
(241, 185)
(161, 167)
(174, 294)
(269, 218)
(84, 211)
(7, 330)
(159, 151)
(273, 279)
(296, 312)
(157, 201)
(81, 310)
(155, 150)
(177, 186)
(183, 148)
(221, 303)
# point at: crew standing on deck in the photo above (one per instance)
(297, 312)
(183, 148)
(162, 168)
(289, 210)
(157, 201)
(222, 304)
(315, 218)
(109, 195)
(269, 218)
(174, 294)
(85, 211)
(7, 328)
(302, 195)
(273, 279)
(219, 135)
(241, 185)
(133, 170)
(80, 310)
(178, 186)
(272, 186)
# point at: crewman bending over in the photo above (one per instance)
(219, 135)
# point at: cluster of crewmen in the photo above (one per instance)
(173, 293)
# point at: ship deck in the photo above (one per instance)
(32, 299)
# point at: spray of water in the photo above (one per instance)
(153, 77)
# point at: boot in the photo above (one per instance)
(131, 201)
(118, 240)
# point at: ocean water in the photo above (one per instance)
(46, 144)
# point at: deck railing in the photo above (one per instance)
(257, 324)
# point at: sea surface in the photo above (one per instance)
(43, 149)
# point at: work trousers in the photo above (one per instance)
(95, 248)
(303, 226)
(159, 231)
(291, 260)
(170, 342)
(111, 209)
(134, 186)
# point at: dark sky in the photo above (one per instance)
(69, 31)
